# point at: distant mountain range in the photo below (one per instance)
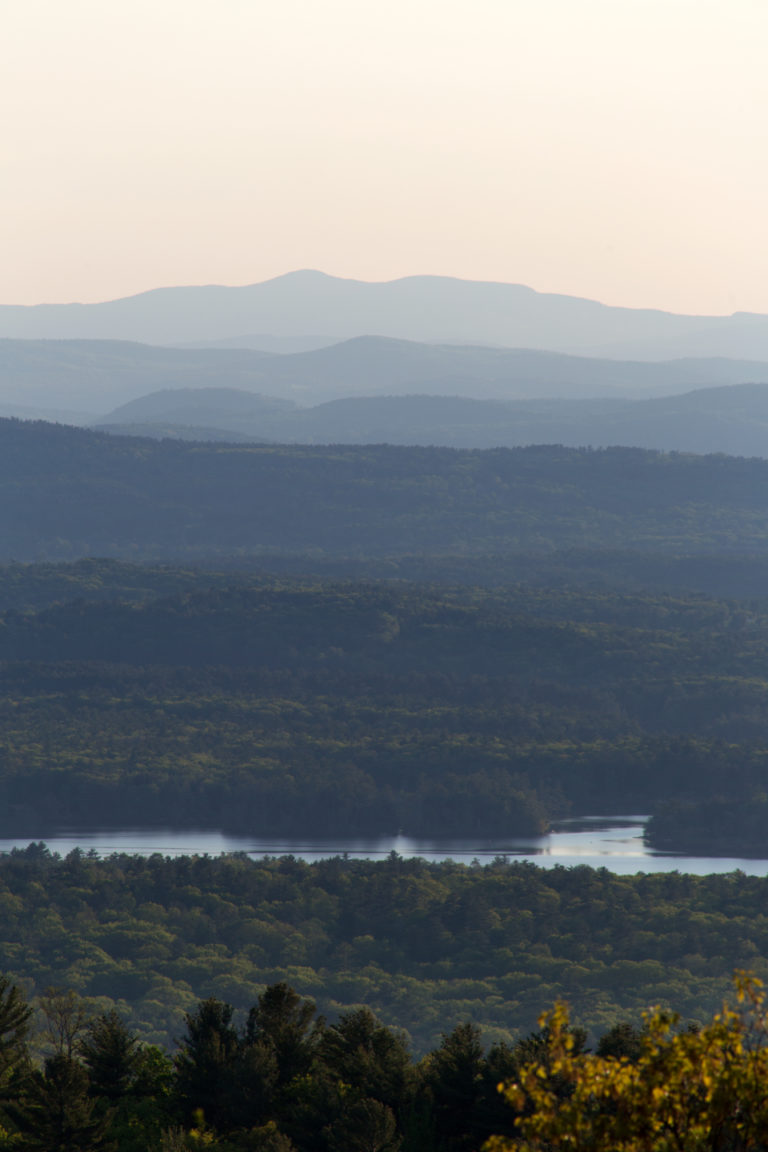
(733, 420)
(50, 377)
(421, 308)
(267, 343)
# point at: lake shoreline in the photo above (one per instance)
(613, 843)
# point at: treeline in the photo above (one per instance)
(424, 946)
(285, 1079)
(740, 576)
(304, 708)
(281, 1079)
(68, 493)
(715, 824)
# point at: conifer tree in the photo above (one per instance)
(58, 1114)
(206, 1064)
(110, 1053)
(15, 1016)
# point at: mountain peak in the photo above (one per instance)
(425, 309)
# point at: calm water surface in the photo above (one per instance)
(614, 842)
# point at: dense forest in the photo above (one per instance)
(68, 493)
(274, 705)
(726, 575)
(425, 946)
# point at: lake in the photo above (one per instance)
(613, 842)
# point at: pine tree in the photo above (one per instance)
(15, 1015)
(58, 1114)
(206, 1064)
(110, 1053)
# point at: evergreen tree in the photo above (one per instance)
(286, 1025)
(111, 1055)
(58, 1114)
(15, 1016)
(367, 1058)
(454, 1076)
(206, 1064)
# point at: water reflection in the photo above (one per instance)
(614, 842)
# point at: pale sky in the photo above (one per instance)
(614, 149)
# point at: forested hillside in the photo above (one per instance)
(69, 493)
(728, 575)
(325, 709)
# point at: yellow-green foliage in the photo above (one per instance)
(690, 1090)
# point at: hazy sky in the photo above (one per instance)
(606, 148)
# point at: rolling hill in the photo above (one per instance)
(733, 420)
(67, 493)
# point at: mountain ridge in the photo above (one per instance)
(423, 308)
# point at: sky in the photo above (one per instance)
(614, 149)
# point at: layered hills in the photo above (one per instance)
(95, 376)
(732, 420)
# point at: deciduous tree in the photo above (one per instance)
(688, 1090)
